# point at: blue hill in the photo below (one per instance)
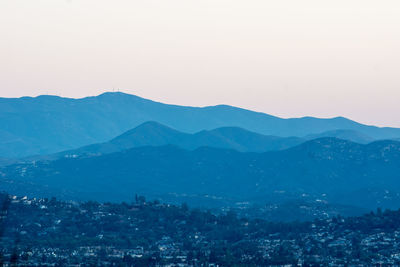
(49, 124)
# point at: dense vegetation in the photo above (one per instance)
(144, 233)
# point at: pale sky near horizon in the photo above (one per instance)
(288, 58)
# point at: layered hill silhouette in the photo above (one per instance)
(327, 169)
(155, 134)
(50, 124)
(350, 135)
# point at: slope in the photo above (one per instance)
(49, 124)
(327, 168)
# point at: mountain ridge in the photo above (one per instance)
(50, 124)
(152, 133)
(331, 169)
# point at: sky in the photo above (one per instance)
(287, 58)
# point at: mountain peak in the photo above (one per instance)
(150, 126)
(148, 133)
(113, 93)
(120, 95)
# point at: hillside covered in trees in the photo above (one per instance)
(142, 233)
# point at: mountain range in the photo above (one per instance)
(326, 169)
(155, 134)
(350, 135)
(50, 124)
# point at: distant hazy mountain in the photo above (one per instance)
(49, 124)
(350, 135)
(156, 134)
(328, 169)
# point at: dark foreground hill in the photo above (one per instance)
(43, 232)
(326, 169)
(50, 124)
